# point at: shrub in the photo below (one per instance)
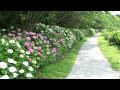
(112, 36)
(23, 52)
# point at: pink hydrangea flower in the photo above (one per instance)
(40, 35)
(26, 44)
(54, 50)
(31, 50)
(10, 34)
(54, 40)
(18, 37)
(39, 48)
(34, 37)
(39, 54)
(44, 57)
(26, 32)
(19, 34)
(28, 38)
(32, 44)
(45, 37)
(63, 40)
(32, 33)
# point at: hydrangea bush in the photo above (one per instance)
(23, 52)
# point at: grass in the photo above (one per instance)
(112, 53)
(61, 68)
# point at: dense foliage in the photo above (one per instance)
(69, 19)
(26, 44)
(23, 52)
(113, 36)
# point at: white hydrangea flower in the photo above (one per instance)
(2, 40)
(5, 77)
(42, 31)
(27, 52)
(19, 46)
(25, 63)
(30, 68)
(29, 75)
(22, 51)
(34, 62)
(21, 56)
(3, 65)
(11, 61)
(12, 27)
(12, 69)
(15, 75)
(14, 62)
(17, 42)
(13, 34)
(21, 71)
(38, 58)
(35, 47)
(27, 56)
(37, 24)
(3, 29)
(13, 31)
(10, 51)
(7, 44)
(50, 30)
(12, 41)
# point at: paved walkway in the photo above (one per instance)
(91, 64)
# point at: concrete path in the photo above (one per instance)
(91, 64)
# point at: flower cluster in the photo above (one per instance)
(13, 61)
(22, 52)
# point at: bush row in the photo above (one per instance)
(23, 52)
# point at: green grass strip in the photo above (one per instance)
(112, 53)
(61, 68)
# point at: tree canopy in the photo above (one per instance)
(71, 19)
